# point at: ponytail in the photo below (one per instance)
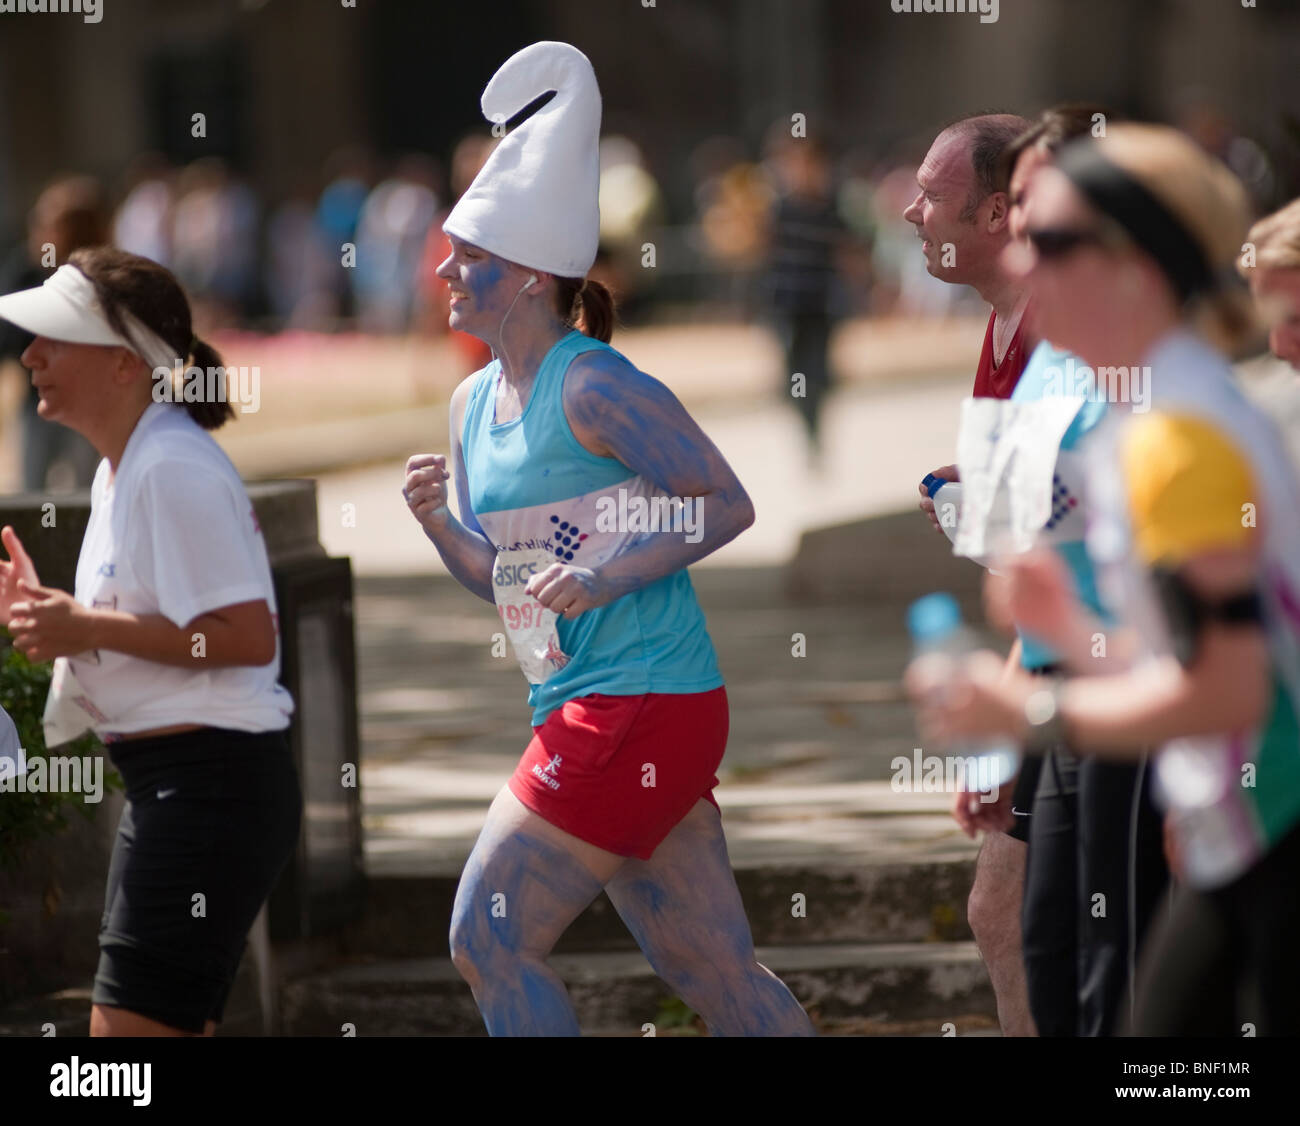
(587, 305)
(209, 414)
(597, 316)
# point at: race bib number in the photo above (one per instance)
(530, 626)
(1007, 454)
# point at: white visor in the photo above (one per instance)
(66, 308)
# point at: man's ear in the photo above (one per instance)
(999, 211)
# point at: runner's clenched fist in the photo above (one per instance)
(425, 489)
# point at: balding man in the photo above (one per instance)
(961, 216)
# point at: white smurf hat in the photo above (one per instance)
(66, 308)
(535, 200)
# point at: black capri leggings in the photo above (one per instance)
(1094, 875)
(1221, 959)
(211, 819)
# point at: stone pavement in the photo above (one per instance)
(806, 773)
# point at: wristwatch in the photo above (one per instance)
(1046, 725)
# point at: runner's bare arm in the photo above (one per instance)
(1225, 688)
(462, 544)
(617, 411)
(53, 624)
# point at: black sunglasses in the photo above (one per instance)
(1057, 242)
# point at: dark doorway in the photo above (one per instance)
(427, 64)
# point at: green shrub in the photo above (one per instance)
(27, 817)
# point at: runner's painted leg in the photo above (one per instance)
(684, 909)
(523, 884)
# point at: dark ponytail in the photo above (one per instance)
(587, 305)
(209, 415)
(127, 283)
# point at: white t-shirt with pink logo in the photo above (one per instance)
(173, 533)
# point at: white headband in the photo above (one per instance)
(66, 308)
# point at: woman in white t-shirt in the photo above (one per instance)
(169, 650)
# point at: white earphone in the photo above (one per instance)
(532, 281)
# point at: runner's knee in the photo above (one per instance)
(993, 907)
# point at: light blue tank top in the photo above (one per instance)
(541, 496)
(1051, 371)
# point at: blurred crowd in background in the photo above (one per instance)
(796, 235)
(795, 228)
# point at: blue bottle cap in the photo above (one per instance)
(933, 617)
(933, 484)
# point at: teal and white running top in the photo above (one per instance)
(542, 497)
(1051, 371)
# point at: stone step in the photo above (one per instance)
(66, 1012)
(919, 986)
(898, 901)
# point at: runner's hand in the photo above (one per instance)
(568, 590)
(973, 813)
(948, 473)
(1040, 594)
(425, 490)
(19, 568)
(977, 699)
(49, 623)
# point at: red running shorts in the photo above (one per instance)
(619, 772)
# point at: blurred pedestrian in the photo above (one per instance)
(300, 268)
(631, 211)
(806, 243)
(391, 233)
(143, 222)
(215, 240)
(70, 213)
(348, 175)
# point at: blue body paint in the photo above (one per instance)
(502, 953)
(685, 912)
(644, 424)
(681, 906)
(481, 277)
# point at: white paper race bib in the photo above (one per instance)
(1007, 454)
(69, 710)
(530, 626)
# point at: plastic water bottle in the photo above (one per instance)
(943, 492)
(937, 629)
